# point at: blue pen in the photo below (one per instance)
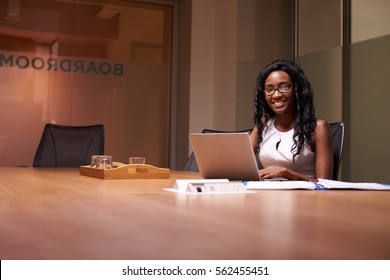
(319, 187)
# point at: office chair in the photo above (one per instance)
(191, 164)
(69, 146)
(337, 132)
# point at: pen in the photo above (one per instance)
(319, 186)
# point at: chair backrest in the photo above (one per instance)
(191, 164)
(69, 146)
(337, 132)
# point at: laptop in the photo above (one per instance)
(225, 156)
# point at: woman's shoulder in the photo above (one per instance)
(322, 127)
(321, 123)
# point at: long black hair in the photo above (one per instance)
(305, 116)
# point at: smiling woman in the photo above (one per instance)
(278, 93)
(290, 141)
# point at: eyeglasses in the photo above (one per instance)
(282, 88)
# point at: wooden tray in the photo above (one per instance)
(127, 171)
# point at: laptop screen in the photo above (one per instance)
(225, 156)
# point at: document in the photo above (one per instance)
(322, 184)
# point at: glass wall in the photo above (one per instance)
(85, 62)
(343, 47)
(369, 91)
(319, 51)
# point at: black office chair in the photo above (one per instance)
(191, 164)
(337, 132)
(69, 146)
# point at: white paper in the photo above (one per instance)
(280, 185)
(332, 184)
(322, 184)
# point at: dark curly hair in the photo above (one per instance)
(305, 116)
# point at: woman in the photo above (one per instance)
(291, 142)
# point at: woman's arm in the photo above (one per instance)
(323, 149)
(254, 138)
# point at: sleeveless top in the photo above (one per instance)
(275, 150)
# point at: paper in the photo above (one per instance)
(331, 184)
(322, 184)
(280, 185)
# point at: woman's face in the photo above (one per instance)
(279, 92)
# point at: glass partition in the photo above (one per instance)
(369, 92)
(344, 49)
(86, 62)
(319, 51)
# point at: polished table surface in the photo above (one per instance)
(59, 214)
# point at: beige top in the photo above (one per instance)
(275, 150)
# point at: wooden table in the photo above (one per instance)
(59, 214)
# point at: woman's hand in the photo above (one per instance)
(272, 172)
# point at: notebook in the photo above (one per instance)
(225, 155)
